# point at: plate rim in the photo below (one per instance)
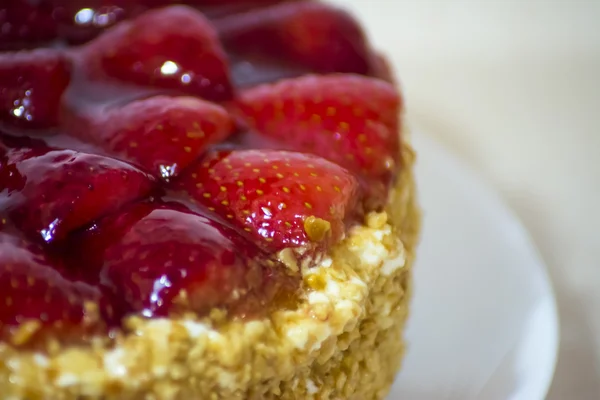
(421, 138)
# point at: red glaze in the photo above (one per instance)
(31, 86)
(148, 109)
(164, 259)
(48, 193)
(149, 51)
(270, 194)
(162, 134)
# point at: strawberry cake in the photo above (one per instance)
(209, 200)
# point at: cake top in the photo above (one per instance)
(161, 161)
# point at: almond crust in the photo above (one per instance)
(345, 340)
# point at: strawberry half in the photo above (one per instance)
(281, 199)
(348, 119)
(48, 193)
(316, 35)
(164, 259)
(173, 48)
(162, 134)
(31, 86)
(39, 302)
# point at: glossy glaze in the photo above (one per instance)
(118, 186)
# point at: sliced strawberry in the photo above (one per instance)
(165, 259)
(162, 134)
(348, 119)
(282, 199)
(316, 35)
(31, 86)
(38, 302)
(172, 48)
(48, 193)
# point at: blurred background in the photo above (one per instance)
(513, 88)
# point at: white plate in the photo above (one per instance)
(483, 323)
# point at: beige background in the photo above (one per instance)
(514, 88)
